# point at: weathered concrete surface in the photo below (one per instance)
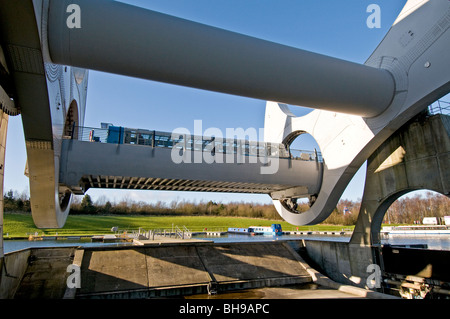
(168, 270)
(416, 157)
(12, 271)
(4, 118)
(172, 266)
(45, 274)
(250, 261)
(149, 271)
(344, 263)
(182, 270)
(137, 268)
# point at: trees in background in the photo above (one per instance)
(13, 201)
(405, 210)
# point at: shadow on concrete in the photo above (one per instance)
(46, 274)
(156, 267)
(174, 270)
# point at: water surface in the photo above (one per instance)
(439, 242)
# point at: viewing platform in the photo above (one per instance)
(123, 158)
(111, 134)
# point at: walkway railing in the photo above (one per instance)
(122, 135)
(174, 232)
(183, 232)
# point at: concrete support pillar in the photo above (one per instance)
(415, 157)
(3, 130)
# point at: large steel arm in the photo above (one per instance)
(118, 38)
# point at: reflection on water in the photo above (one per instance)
(441, 242)
(230, 238)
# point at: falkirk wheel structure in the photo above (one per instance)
(357, 107)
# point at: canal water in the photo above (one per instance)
(441, 242)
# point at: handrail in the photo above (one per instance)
(175, 231)
(151, 138)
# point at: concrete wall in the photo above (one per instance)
(3, 131)
(15, 265)
(416, 157)
(36, 273)
(344, 263)
(163, 270)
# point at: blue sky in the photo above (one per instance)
(330, 27)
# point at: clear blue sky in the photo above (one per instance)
(330, 27)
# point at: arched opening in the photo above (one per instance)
(64, 199)
(70, 131)
(302, 146)
(416, 217)
(71, 122)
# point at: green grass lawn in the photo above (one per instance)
(20, 224)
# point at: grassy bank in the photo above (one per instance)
(21, 224)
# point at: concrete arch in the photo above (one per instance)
(415, 157)
(384, 206)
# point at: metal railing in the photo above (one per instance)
(175, 232)
(122, 135)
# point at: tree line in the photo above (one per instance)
(405, 210)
